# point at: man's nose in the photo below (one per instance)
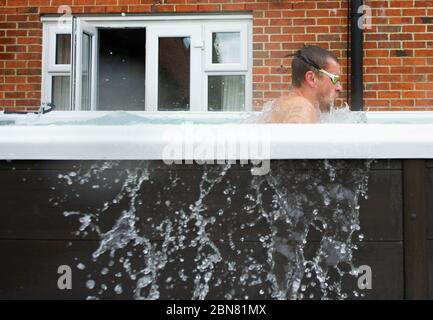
(339, 87)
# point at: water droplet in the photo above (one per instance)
(118, 289)
(144, 282)
(90, 284)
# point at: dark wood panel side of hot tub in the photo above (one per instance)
(429, 211)
(35, 236)
(30, 271)
(29, 194)
(429, 199)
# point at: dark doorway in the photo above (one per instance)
(122, 66)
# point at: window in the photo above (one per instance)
(227, 70)
(149, 63)
(57, 66)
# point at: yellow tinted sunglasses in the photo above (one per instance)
(335, 79)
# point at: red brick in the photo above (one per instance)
(401, 70)
(208, 7)
(376, 53)
(273, 14)
(424, 86)
(424, 102)
(377, 86)
(402, 103)
(304, 5)
(414, 77)
(165, 8)
(233, 7)
(415, 61)
(402, 86)
(424, 36)
(400, 20)
(27, 103)
(272, 30)
(401, 36)
(388, 95)
(401, 4)
(38, 3)
(281, 22)
(15, 95)
(413, 94)
(16, 3)
(318, 13)
(186, 8)
(377, 103)
(424, 4)
(328, 4)
(303, 22)
(416, 44)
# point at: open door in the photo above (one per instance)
(174, 66)
(85, 42)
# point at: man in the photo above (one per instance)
(315, 86)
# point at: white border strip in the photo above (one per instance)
(287, 141)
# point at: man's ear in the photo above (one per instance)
(310, 78)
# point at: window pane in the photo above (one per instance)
(226, 93)
(86, 72)
(63, 49)
(174, 74)
(121, 81)
(226, 47)
(61, 92)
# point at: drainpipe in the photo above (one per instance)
(356, 57)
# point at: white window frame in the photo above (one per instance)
(238, 27)
(82, 27)
(205, 81)
(49, 67)
(152, 37)
(208, 23)
(52, 50)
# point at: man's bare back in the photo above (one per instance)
(292, 108)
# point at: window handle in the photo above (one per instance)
(199, 44)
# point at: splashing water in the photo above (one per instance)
(343, 115)
(218, 232)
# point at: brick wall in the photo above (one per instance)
(398, 62)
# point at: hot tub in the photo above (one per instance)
(158, 206)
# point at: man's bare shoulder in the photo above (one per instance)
(293, 102)
(291, 108)
(297, 110)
